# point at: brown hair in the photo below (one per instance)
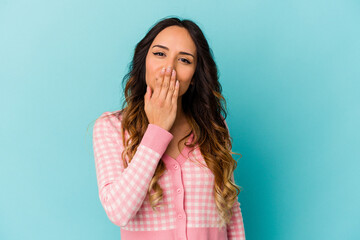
(202, 106)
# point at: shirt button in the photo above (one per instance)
(176, 166)
(178, 190)
(179, 216)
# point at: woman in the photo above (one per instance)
(163, 163)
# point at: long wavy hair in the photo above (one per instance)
(203, 107)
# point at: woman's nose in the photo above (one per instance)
(169, 68)
(170, 63)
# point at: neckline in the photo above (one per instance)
(184, 152)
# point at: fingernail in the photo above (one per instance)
(173, 73)
(163, 70)
(168, 69)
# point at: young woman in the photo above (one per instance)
(163, 163)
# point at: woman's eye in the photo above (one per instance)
(162, 54)
(157, 53)
(187, 61)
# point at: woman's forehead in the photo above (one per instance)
(175, 39)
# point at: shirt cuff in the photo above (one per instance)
(156, 138)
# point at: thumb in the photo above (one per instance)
(148, 93)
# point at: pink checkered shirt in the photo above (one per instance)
(189, 211)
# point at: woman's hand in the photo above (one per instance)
(161, 105)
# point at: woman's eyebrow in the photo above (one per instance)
(161, 46)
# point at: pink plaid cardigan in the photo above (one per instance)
(188, 211)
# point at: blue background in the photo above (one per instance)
(290, 74)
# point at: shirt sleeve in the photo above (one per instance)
(235, 228)
(122, 191)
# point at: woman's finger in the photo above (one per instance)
(176, 93)
(165, 84)
(171, 87)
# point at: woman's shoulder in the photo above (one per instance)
(112, 116)
(109, 120)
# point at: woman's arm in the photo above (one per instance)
(235, 228)
(122, 191)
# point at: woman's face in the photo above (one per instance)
(172, 47)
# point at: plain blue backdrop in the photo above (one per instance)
(290, 73)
